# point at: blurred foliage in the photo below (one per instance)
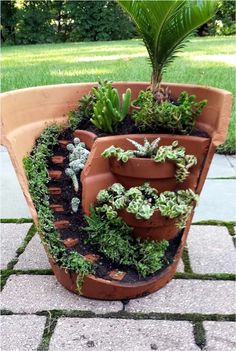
(223, 23)
(45, 21)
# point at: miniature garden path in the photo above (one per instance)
(194, 311)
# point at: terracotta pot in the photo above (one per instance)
(157, 227)
(142, 168)
(98, 288)
(26, 112)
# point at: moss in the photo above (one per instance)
(215, 222)
(21, 249)
(5, 274)
(216, 276)
(49, 328)
(16, 220)
(199, 334)
(186, 260)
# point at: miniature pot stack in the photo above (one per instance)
(136, 171)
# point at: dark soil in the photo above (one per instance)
(127, 126)
(77, 222)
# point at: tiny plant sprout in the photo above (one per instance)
(75, 204)
(70, 147)
(70, 173)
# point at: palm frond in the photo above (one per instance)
(165, 25)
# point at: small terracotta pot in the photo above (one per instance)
(144, 168)
(157, 227)
(141, 170)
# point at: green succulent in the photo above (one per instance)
(143, 201)
(108, 110)
(70, 173)
(75, 204)
(175, 117)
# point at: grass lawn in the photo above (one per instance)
(207, 61)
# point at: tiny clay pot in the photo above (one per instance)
(157, 227)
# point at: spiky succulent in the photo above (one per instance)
(148, 149)
(164, 26)
(108, 110)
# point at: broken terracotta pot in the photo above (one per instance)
(26, 112)
(115, 288)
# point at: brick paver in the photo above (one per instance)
(33, 293)
(21, 333)
(189, 296)
(28, 294)
(12, 236)
(221, 167)
(211, 250)
(34, 256)
(217, 201)
(221, 336)
(119, 335)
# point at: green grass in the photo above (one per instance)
(206, 61)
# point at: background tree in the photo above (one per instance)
(34, 23)
(43, 21)
(8, 22)
(99, 20)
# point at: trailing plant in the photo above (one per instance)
(78, 155)
(35, 166)
(84, 111)
(165, 26)
(159, 154)
(143, 201)
(180, 116)
(177, 205)
(113, 239)
(118, 153)
(176, 154)
(108, 110)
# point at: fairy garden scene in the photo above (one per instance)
(115, 187)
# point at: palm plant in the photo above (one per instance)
(165, 26)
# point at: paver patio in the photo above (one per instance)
(194, 311)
